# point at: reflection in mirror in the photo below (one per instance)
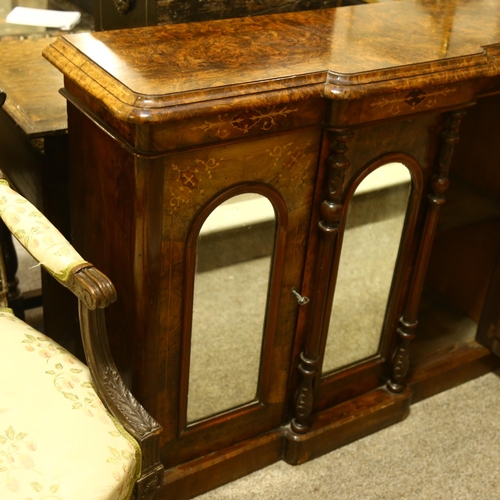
(234, 254)
(374, 225)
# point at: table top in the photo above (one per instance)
(340, 53)
(32, 87)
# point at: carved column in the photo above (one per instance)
(331, 213)
(440, 183)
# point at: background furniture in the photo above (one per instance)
(297, 110)
(117, 14)
(9, 31)
(34, 155)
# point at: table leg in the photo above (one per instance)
(15, 297)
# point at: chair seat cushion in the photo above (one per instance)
(57, 441)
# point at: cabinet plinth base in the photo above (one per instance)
(443, 371)
(206, 473)
(331, 429)
(346, 423)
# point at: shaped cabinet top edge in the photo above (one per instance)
(175, 71)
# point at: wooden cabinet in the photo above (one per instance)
(170, 125)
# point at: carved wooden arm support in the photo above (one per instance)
(91, 287)
(117, 398)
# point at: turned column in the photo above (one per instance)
(408, 322)
(331, 213)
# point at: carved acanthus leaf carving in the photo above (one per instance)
(141, 422)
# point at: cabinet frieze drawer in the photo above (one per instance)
(235, 124)
(401, 103)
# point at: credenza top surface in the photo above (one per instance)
(341, 53)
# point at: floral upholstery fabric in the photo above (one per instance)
(47, 245)
(57, 441)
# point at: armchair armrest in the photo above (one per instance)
(37, 234)
(49, 247)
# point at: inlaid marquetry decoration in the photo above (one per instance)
(225, 124)
(169, 124)
(189, 179)
(402, 102)
(293, 159)
(194, 177)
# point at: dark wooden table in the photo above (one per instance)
(33, 118)
(34, 150)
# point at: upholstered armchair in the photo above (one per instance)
(67, 430)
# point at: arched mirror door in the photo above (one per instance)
(231, 288)
(369, 251)
(369, 279)
(235, 252)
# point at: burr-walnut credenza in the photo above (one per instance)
(329, 307)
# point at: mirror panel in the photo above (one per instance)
(234, 255)
(370, 247)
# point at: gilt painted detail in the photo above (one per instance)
(244, 121)
(189, 179)
(400, 103)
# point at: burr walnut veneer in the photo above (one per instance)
(167, 123)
